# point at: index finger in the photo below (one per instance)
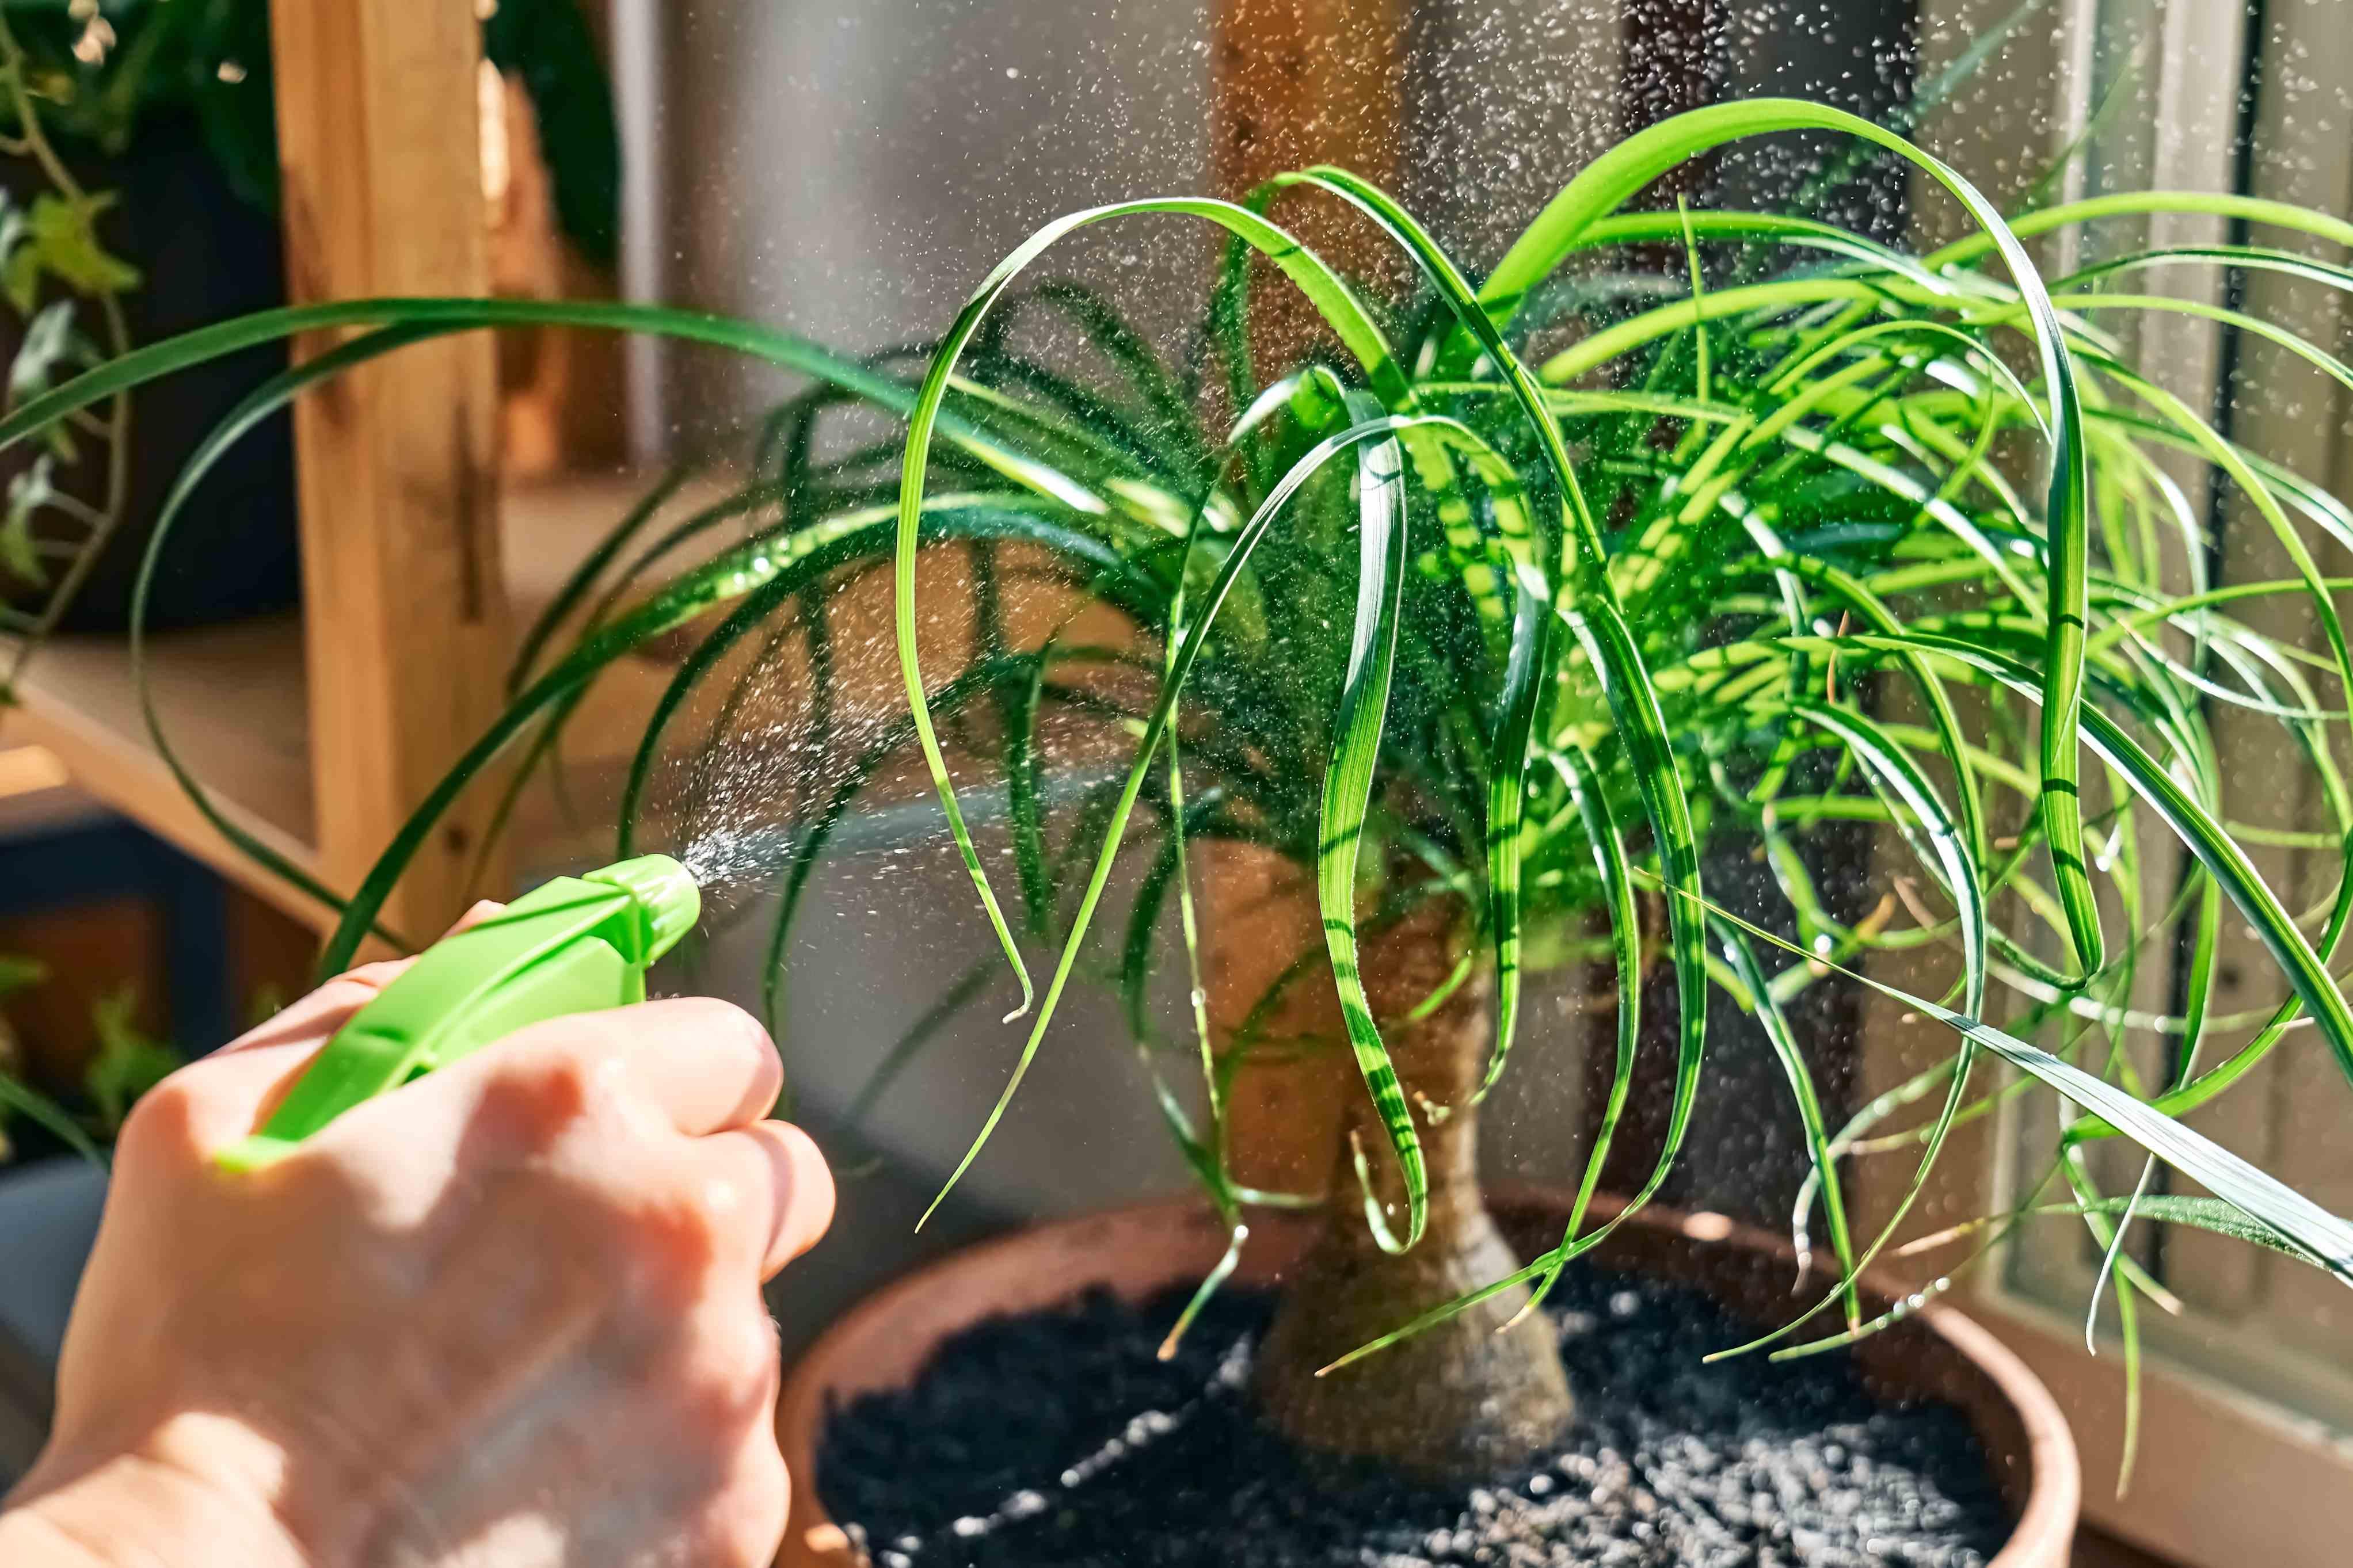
(690, 1063)
(702, 1065)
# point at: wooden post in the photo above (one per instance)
(1297, 82)
(1300, 82)
(380, 144)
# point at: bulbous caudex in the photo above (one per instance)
(1469, 1398)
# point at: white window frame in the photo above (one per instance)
(2225, 1479)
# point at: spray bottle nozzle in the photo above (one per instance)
(576, 945)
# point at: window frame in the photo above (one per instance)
(2223, 1477)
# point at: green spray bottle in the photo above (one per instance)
(576, 945)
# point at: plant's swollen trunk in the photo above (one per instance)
(1462, 1401)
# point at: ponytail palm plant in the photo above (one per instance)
(1491, 613)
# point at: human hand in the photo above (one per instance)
(507, 1315)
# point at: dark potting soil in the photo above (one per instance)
(1057, 1439)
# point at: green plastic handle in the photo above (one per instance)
(576, 945)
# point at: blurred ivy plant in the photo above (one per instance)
(127, 1064)
(80, 81)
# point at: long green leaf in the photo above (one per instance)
(1776, 1025)
(1523, 688)
(1348, 783)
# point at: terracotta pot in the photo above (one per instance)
(1137, 1252)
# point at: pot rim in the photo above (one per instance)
(887, 1336)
